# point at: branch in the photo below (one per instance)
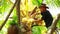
(53, 26)
(8, 15)
(18, 10)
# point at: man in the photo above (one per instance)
(46, 15)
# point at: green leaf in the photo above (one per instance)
(58, 24)
(15, 17)
(13, 22)
(37, 2)
(38, 29)
(54, 2)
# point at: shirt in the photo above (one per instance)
(47, 17)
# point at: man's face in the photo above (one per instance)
(42, 9)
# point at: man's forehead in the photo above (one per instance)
(42, 7)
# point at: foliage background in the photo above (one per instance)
(5, 6)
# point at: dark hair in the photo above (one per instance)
(43, 5)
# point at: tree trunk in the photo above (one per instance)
(13, 29)
(53, 26)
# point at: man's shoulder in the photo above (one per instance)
(47, 11)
